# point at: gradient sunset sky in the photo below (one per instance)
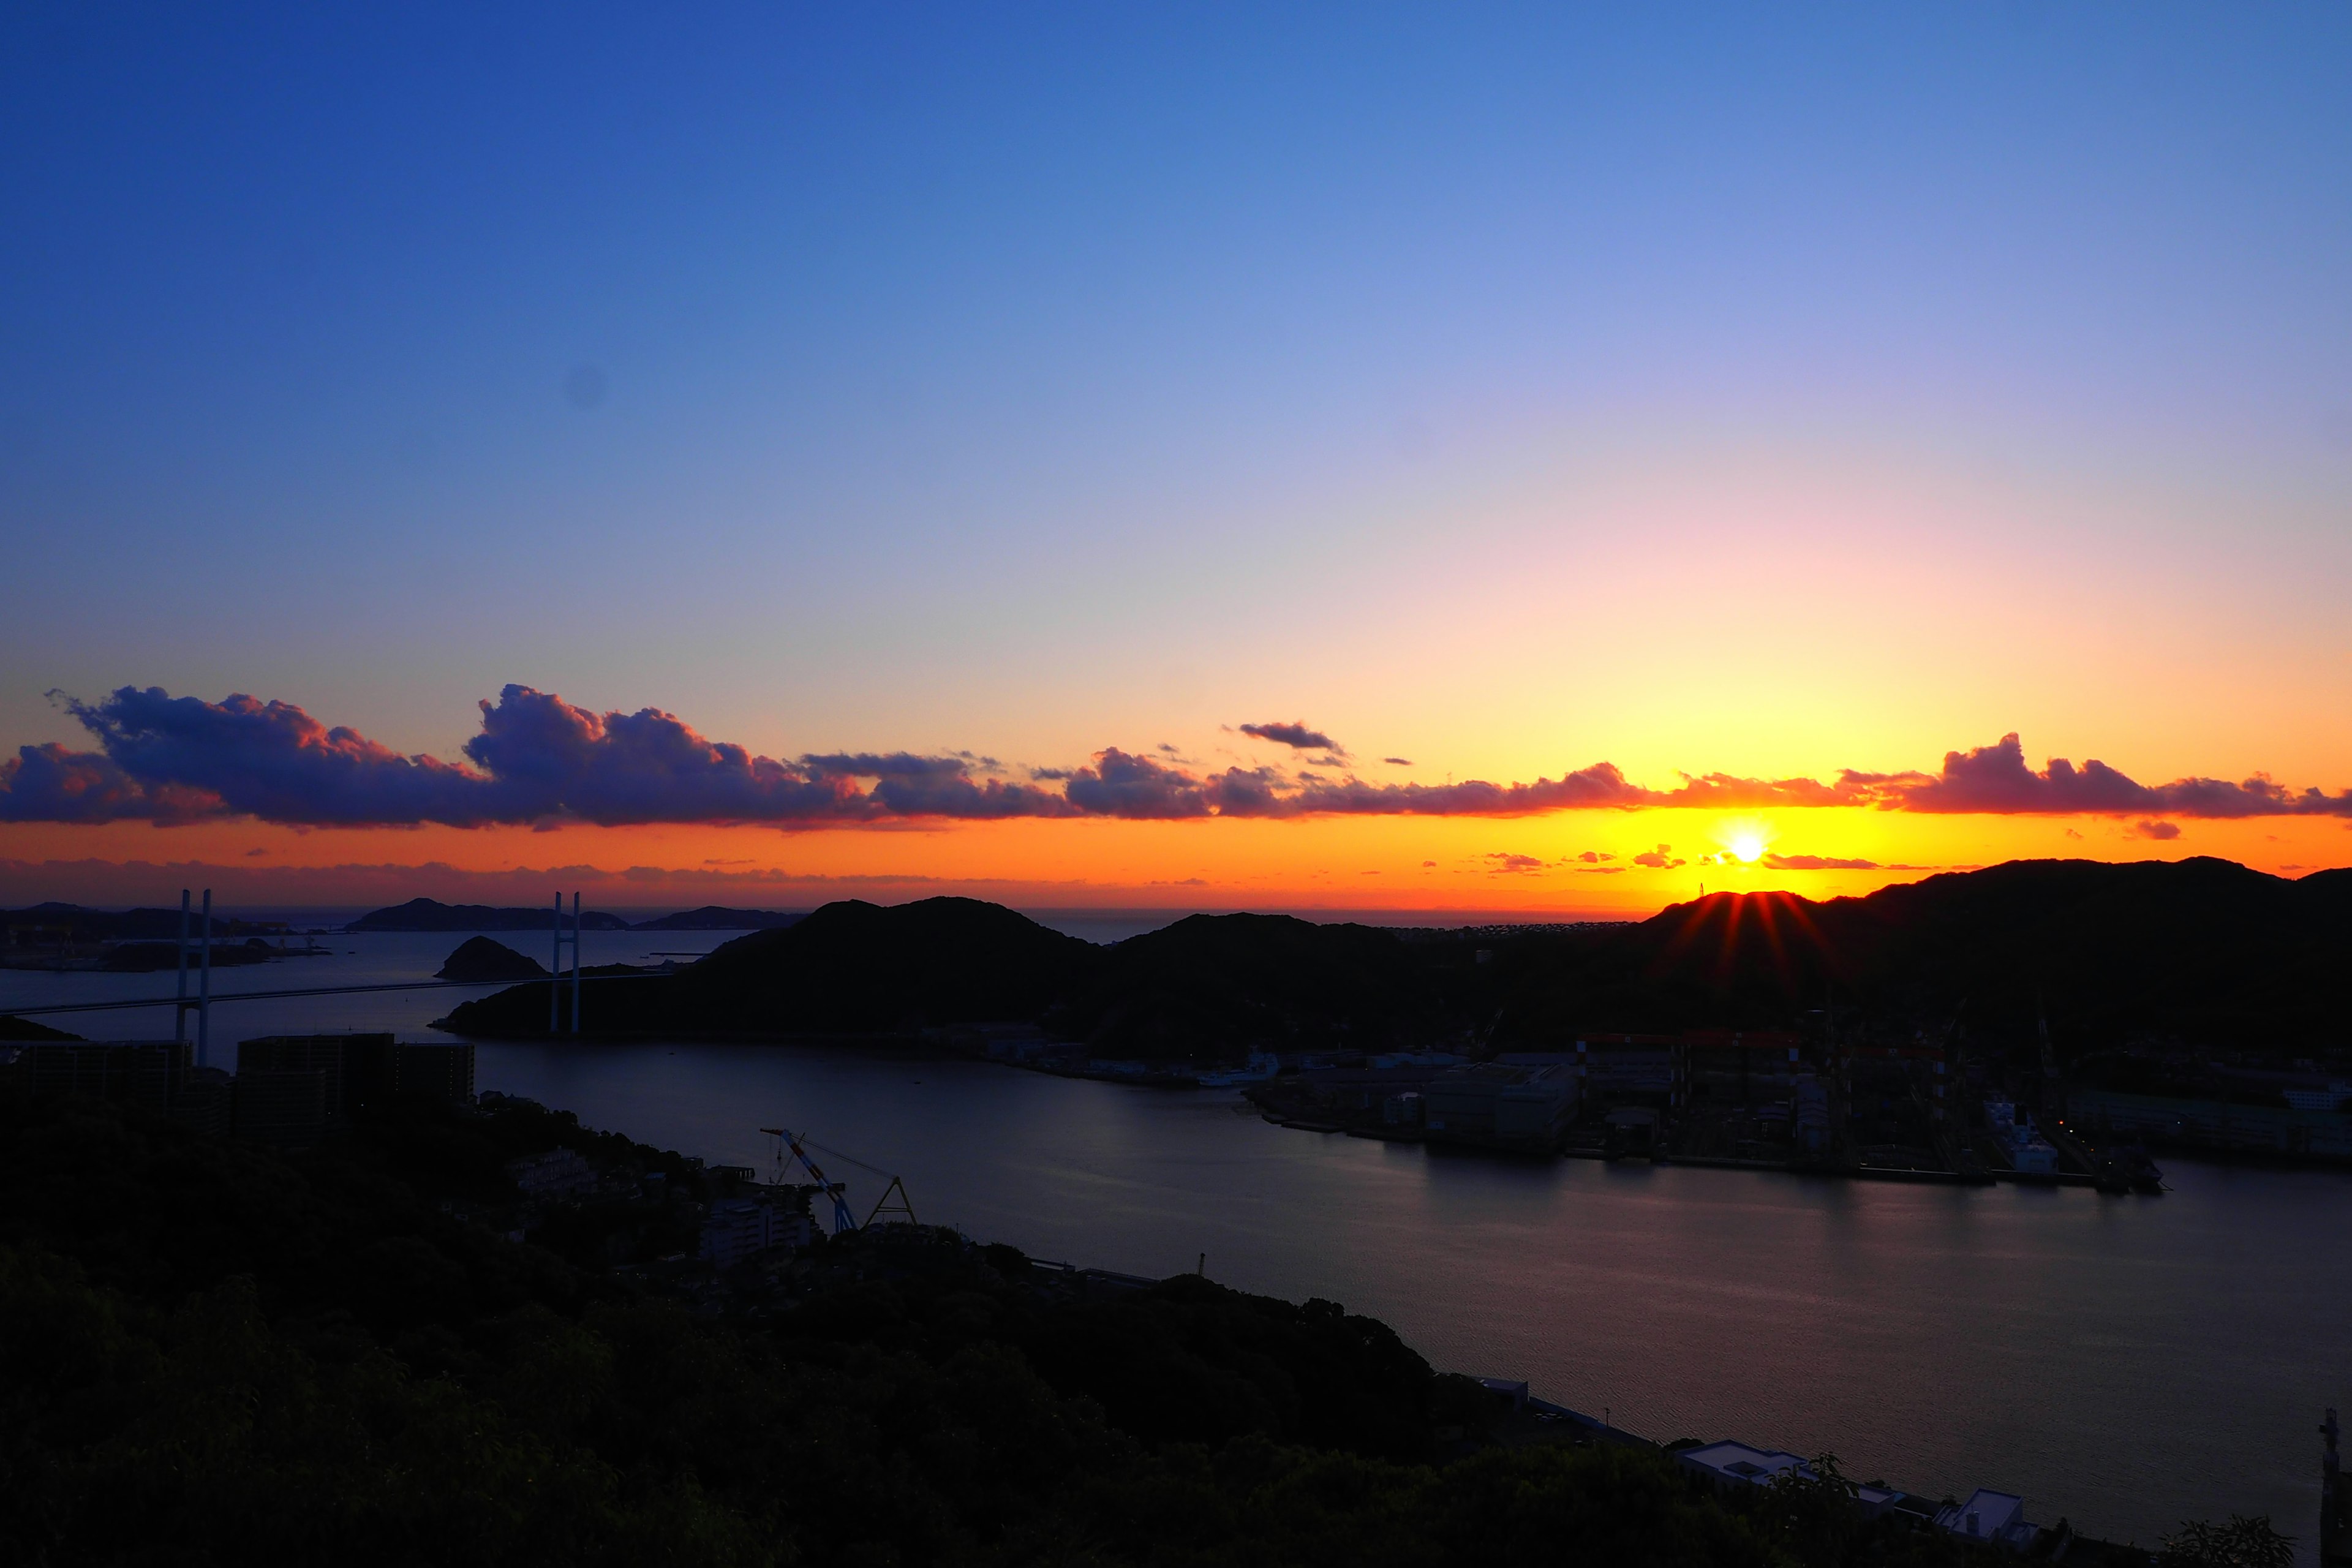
(978, 416)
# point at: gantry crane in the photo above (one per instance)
(798, 1147)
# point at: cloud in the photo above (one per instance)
(1397, 761)
(1595, 856)
(2158, 830)
(541, 761)
(1518, 865)
(1995, 780)
(1817, 863)
(1658, 859)
(49, 784)
(1295, 734)
(1120, 785)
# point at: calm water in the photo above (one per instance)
(2127, 1363)
(369, 958)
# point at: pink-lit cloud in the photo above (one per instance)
(540, 760)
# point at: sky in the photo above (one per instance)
(764, 454)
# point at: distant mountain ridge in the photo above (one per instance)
(2199, 949)
(124, 925)
(430, 914)
(719, 917)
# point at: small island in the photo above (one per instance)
(482, 958)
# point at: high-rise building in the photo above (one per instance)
(737, 1227)
(285, 1106)
(139, 1072)
(445, 1072)
(206, 1101)
(359, 1066)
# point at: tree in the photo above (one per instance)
(2241, 1543)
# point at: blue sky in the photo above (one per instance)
(1035, 379)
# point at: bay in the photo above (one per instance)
(2127, 1363)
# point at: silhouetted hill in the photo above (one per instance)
(857, 966)
(428, 914)
(850, 968)
(24, 1029)
(1216, 985)
(485, 958)
(2201, 949)
(718, 917)
(213, 1352)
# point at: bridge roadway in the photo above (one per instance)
(220, 997)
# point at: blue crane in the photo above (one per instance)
(842, 1220)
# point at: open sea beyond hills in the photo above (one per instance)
(2124, 1361)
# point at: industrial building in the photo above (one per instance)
(2281, 1129)
(1501, 1100)
(2016, 1137)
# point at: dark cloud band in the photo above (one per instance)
(538, 758)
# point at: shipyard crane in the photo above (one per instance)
(799, 1145)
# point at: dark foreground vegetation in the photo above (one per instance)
(212, 1353)
(2201, 950)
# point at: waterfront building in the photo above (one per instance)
(1989, 1516)
(2028, 1151)
(2214, 1124)
(1262, 1067)
(1019, 1043)
(1729, 1466)
(1501, 1099)
(1611, 1067)
(1809, 1116)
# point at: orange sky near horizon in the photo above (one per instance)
(1531, 864)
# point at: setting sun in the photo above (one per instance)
(1748, 845)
